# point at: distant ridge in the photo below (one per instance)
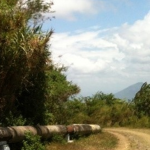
(129, 92)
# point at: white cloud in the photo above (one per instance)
(109, 62)
(67, 8)
(86, 52)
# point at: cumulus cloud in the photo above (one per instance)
(66, 9)
(133, 40)
(116, 56)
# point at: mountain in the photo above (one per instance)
(129, 92)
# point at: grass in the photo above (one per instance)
(100, 141)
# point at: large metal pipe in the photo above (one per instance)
(17, 133)
(50, 130)
(83, 128)
(5, 134)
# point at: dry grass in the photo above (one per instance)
(101, 141)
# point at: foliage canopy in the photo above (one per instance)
(31, 85)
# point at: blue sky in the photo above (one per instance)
(113, 13)
(104, 43)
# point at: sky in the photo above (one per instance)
(104, 43)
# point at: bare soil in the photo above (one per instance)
(131, 139)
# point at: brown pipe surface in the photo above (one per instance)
(49, 130)
(5, 134)
(17, 133)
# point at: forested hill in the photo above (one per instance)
(129, 92)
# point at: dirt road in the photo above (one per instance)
(131, 139)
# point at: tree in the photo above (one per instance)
(26, 68)
(23, 54)
(76, 111)
(142, 100)
(59, 90)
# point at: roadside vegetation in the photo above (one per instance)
(108, 111)
(100, 141)
(34, 90)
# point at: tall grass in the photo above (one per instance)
(100, 141)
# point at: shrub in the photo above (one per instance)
(32, 142)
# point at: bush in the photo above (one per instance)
(58, 138)
(32, 142)
(12, 120)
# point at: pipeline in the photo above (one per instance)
(17, 133)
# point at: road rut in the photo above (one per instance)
(131, 139)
